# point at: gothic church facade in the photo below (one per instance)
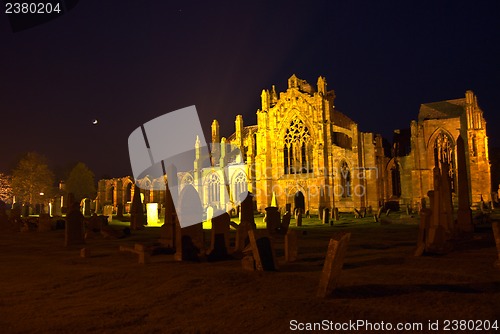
(306, 153)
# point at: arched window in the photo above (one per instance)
(297, 150)
(128, 193)
(239, 185)
(396, 181)
(444, 153)
(188, 179)
(213, 188)
(345, 180)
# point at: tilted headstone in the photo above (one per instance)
(262, 251)
(285, 223)
(334, 261)
(291, 246)
(247, 223)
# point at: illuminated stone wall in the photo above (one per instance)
(303, 147)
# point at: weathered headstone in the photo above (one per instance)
(423, 228)
(326, 216)
(74, 230)
(108, 212)
(272, 219)
(167, 235)
(334, 261)
(262, 251)
(285, 223)
(137, 218)
(298, 219)
(219, 240)
(336, 216)
(291, 246)
(247, 217)
(85, 205)
(247, 223)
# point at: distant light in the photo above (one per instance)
(41, 194)
(95, 121)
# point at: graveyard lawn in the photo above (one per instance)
(48, 288)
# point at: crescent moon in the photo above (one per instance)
(94, 121)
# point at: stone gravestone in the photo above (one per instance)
(137, 218)
(334, 261)
(299, 219)
(56, 208)
(152, 214)
(272, 219)
(168, 229)
(167, 235)
(425, 221)
(336, 216)
(74, 230)
(192, 243)
(119, 211)
(291, 248)
(44, 223)
(262, 251)
(219, 238)
(108, 212)
(85, 204)
(326, 216)
(247, 223)
(285, 223)
(210, 213)
(496, 233)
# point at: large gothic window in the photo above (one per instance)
(239, 185)
(444, 153)
(396, 181)
(213, 188)
(297, 151)
(345, 180)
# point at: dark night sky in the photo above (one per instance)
(126, 62)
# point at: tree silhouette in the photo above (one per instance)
(81, 182)
(32, 180)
